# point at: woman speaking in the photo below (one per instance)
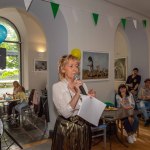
(71, 132)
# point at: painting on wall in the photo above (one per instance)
(120, 69)
(40, 65)
(95, 66)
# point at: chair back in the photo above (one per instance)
(31, 97)
(98, 132)
(44, 92)
(115, 100)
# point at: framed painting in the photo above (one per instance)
(95, 66)
(40, 65)
(120, 69)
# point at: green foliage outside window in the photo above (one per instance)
(12, 62)
(9, 74)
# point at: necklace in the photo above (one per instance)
(72, 96)
(70, 91)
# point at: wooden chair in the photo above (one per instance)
(99, 131)
(120, 122)
(120, 127)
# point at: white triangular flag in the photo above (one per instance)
(111, 21)
(27, 4)
(135, 23)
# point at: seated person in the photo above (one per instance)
(133, 82)
(23, 100)
(125, 100)
(16, 86)
(144, 96)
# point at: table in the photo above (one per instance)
(119, 113)
(111, 116)
(8, 101)
(11, 100)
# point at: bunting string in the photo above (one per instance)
(95, 15)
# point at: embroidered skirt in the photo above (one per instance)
(71, 134)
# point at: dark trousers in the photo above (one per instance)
(131, 128)
(10, 107)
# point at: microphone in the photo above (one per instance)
(76, 77)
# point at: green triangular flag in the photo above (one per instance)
(144, 23)
(95, 17)
(55, 8)
(124, 21)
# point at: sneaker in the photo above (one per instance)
(133, 137)
(130, 139)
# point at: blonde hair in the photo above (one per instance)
(16, 83)
(62, 62)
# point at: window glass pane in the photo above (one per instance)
(12, 34)
(12, 70)
(11, 47)
(12, 61)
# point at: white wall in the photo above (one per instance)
(138, 49)
(32, 37)
(83, 34)
(121, 49)
(132, 43)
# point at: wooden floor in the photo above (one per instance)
(142, 143)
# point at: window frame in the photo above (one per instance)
(15, 42)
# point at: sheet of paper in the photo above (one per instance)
(91, 109)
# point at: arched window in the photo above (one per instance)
(12, 44)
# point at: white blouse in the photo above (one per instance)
(129, 99)
(62, 97)
(15, 91)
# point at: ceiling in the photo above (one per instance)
(139, 6)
